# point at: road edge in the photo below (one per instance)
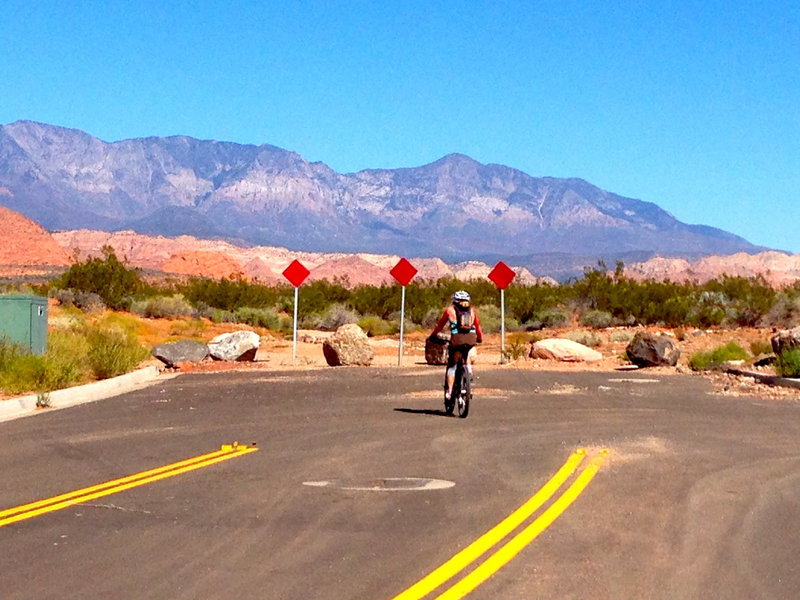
(24, 406)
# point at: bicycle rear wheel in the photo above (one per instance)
(465, 393)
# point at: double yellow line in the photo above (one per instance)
(34, 509)
(515, 545)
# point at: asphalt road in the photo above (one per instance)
(698, 497)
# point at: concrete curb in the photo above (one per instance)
(768, 379)
(80, 394)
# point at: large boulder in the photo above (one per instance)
(237, 346)
(183, 351)
(653, 350)
(564, 350)
(436, 350)
(785, 339)
(349, 345)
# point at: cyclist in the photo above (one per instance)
(465, 332)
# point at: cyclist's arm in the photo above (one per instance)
(478, 330)
(443, 320)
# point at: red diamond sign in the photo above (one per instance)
(296, 273)
(403, 272)
(502, 275)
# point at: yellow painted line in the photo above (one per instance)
(514, 546)
(34, 509)
(489, 539)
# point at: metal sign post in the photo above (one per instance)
(296, 273)
(294, 324)
(502, 325)
(403, 272)
(402, 324)
(502, 275)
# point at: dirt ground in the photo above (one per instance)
(277, 353)
(276, 350)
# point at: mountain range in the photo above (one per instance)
(455, 208)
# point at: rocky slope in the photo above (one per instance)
(455, 208)
(26, 248)
(778, 268)
(23, 243)
(186, 255)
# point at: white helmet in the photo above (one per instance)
(460, 296)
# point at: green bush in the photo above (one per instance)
(85, 301)
(518, 346)
(336, 316)
(553, 318)
(107, 277)
(787, 363)
(258, 317)
(374, 325)
(597, 319)
(704, 361)
(63, 365)
(587, 338)
(113, 351)
(163, 307)
(621, 336)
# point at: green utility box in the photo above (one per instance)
(23, 321)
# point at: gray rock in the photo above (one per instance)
(237, 346)
(349, 345)
(652, 350)
(564, 351)
(436, 351)
(785, 339)
(183, 351)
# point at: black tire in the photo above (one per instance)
(450, 405)
(465, 395)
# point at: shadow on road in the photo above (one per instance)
(422, 411)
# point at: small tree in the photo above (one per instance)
(107, 277)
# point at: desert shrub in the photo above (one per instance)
(749, 298)
(113, 351)
(258, 317)
(374, 325)
(785, 311)
(621, 336)
(163, 307)
(336, 316)
(597, 319)
(518, 346)
(107, 277)
(62, 365)
(787, 363)
(703, 361)
(308, 321)
(431, 318)
(218, 315)
(553, 318)
(587, 338)
(760, 347)
(85, 301)
(191, 328)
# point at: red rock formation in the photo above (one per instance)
(204, 264)
(25, 243)
(352, 269)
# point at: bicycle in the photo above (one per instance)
(461, 395)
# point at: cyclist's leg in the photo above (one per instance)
(454, 357)
(470, 363)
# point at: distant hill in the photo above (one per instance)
(454, 208)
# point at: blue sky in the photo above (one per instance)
(692, 105)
